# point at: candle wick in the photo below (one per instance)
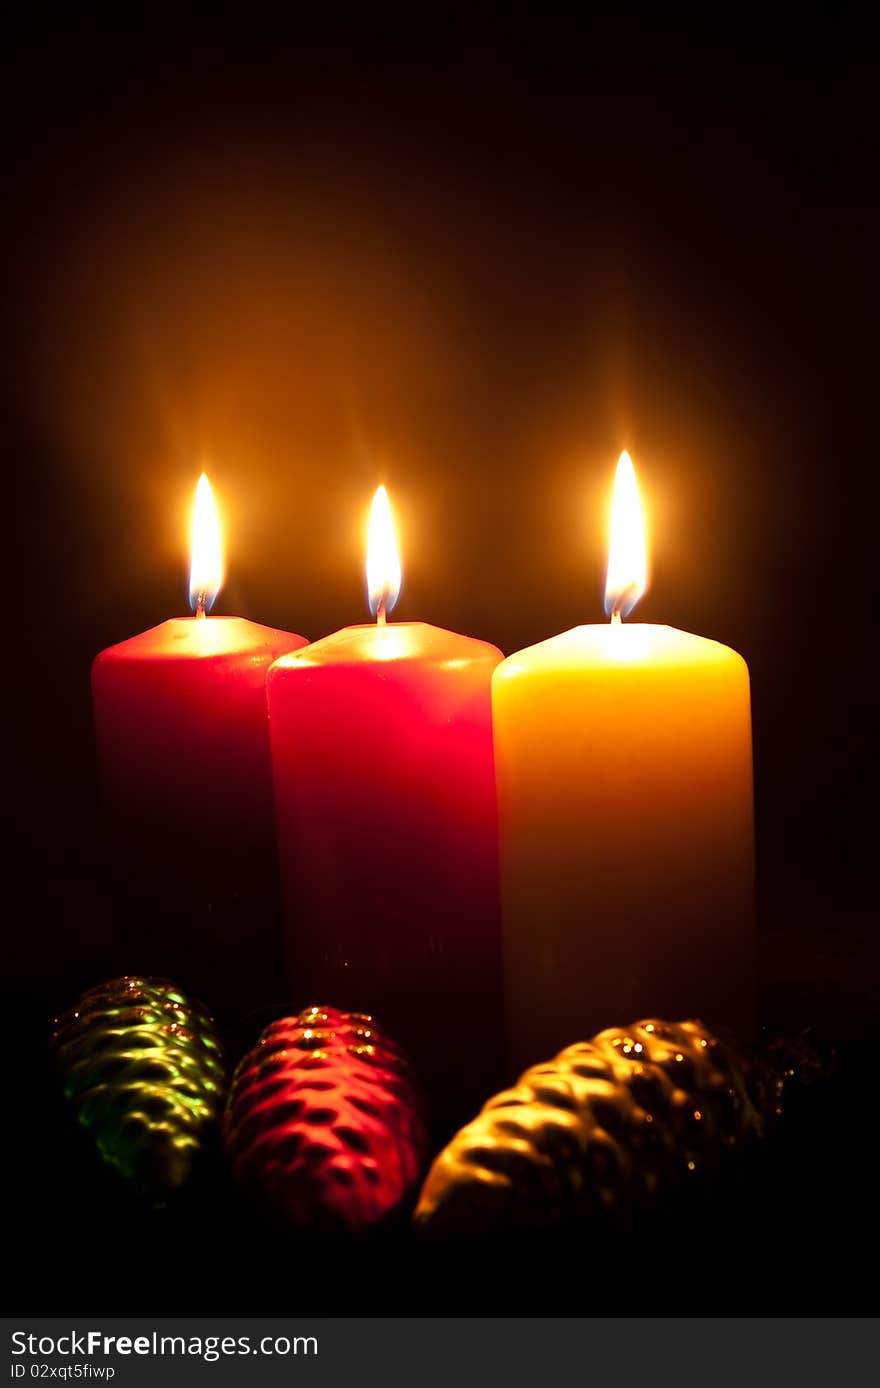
(200, 606)
(381, 614)
(615, 617)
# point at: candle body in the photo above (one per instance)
(624, 771)
(384, 782)
(183, 746)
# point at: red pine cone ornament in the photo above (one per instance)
(326, 1121)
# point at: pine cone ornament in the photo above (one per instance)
(608, 1124)
(326, 1122)
(141, 1065)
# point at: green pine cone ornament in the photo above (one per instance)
(143, 1068)
(606, 1125)
(326, 1121)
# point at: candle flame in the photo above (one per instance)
(383, 558)
(627, 577)
(206, 570)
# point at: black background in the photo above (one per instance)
(471, 254)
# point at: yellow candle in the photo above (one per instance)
(624, 772)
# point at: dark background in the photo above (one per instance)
(471, 254)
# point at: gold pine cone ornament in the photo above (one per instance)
(607, 1124)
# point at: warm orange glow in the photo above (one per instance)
(206, 571)
(383, 558)
(627, 576)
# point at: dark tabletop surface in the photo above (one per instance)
(782, 1233)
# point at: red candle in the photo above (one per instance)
(385, 800)
(182, 731)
